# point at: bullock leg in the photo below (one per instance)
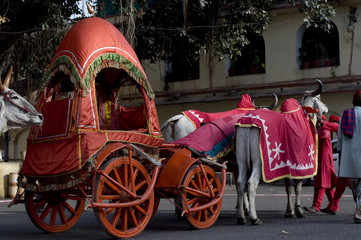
(241, 154)
(298, 210)
(245, 195)
(255, 175)
(290, 213)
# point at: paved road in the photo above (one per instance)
(271, 203)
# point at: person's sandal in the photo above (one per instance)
(311, 210)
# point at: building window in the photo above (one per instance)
(319, 48)
(181, 68)
(252, 60)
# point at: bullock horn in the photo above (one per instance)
(2, 88)
(318, 91)
(8, 76)
(254, 104)
(275, 102)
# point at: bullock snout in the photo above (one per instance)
(41, 118)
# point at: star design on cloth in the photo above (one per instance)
(278, 150)
(311, 153)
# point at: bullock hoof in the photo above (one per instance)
(289, 215)
(301, 215)
(299, 212)
(256, 221)
(241, 220)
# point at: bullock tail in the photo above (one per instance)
(248, 151)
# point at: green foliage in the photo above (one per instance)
(317, 14)
(32, 33)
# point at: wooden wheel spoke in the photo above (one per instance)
(124, 221)
(45, 211)
(192, 201)
(124, 174)
(195, 192)
(211, 181)
(210, 209)
(133, 218)
(205, 215)
(111, 186)
(116, 217)
(116, 175)
(140, 184)
(215, 190)
(62, 213)
(108, 211)
(40, 204)
(141, 210)
(54, 212)
(198, 215)
(193, 184)
(69, 208)
(198, 179)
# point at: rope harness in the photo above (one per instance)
(6, 97)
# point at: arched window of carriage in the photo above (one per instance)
(252, 60)
(319, 48)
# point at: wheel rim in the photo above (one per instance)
(195, 180)
(127, 221)
(156, 205)
(54, 211)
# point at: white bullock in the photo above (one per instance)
(247, 146)
(180, 126)
(15, 111)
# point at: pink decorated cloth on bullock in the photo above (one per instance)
(212, 140)
(288, 141)
(198, 118)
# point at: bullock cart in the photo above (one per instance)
(100, 145)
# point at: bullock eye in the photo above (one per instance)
(14, 97)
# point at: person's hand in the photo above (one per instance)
(319, 123)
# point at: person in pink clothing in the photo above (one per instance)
(326, 179)
(341, 185)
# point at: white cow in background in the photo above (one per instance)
(15, 111)
(247, 146)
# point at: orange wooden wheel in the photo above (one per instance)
(156, 205)
(196, 190)
(54, 211)
(113, 186)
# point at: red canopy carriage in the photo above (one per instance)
(96, 144)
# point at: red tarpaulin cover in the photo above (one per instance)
(288, 141)
(198, 117)
(212, 140)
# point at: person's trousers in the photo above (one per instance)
(340, 189)
(318, 195)
(355, 184)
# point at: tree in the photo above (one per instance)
(30, 31)
(169, 28)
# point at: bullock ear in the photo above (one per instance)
(2, 108)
